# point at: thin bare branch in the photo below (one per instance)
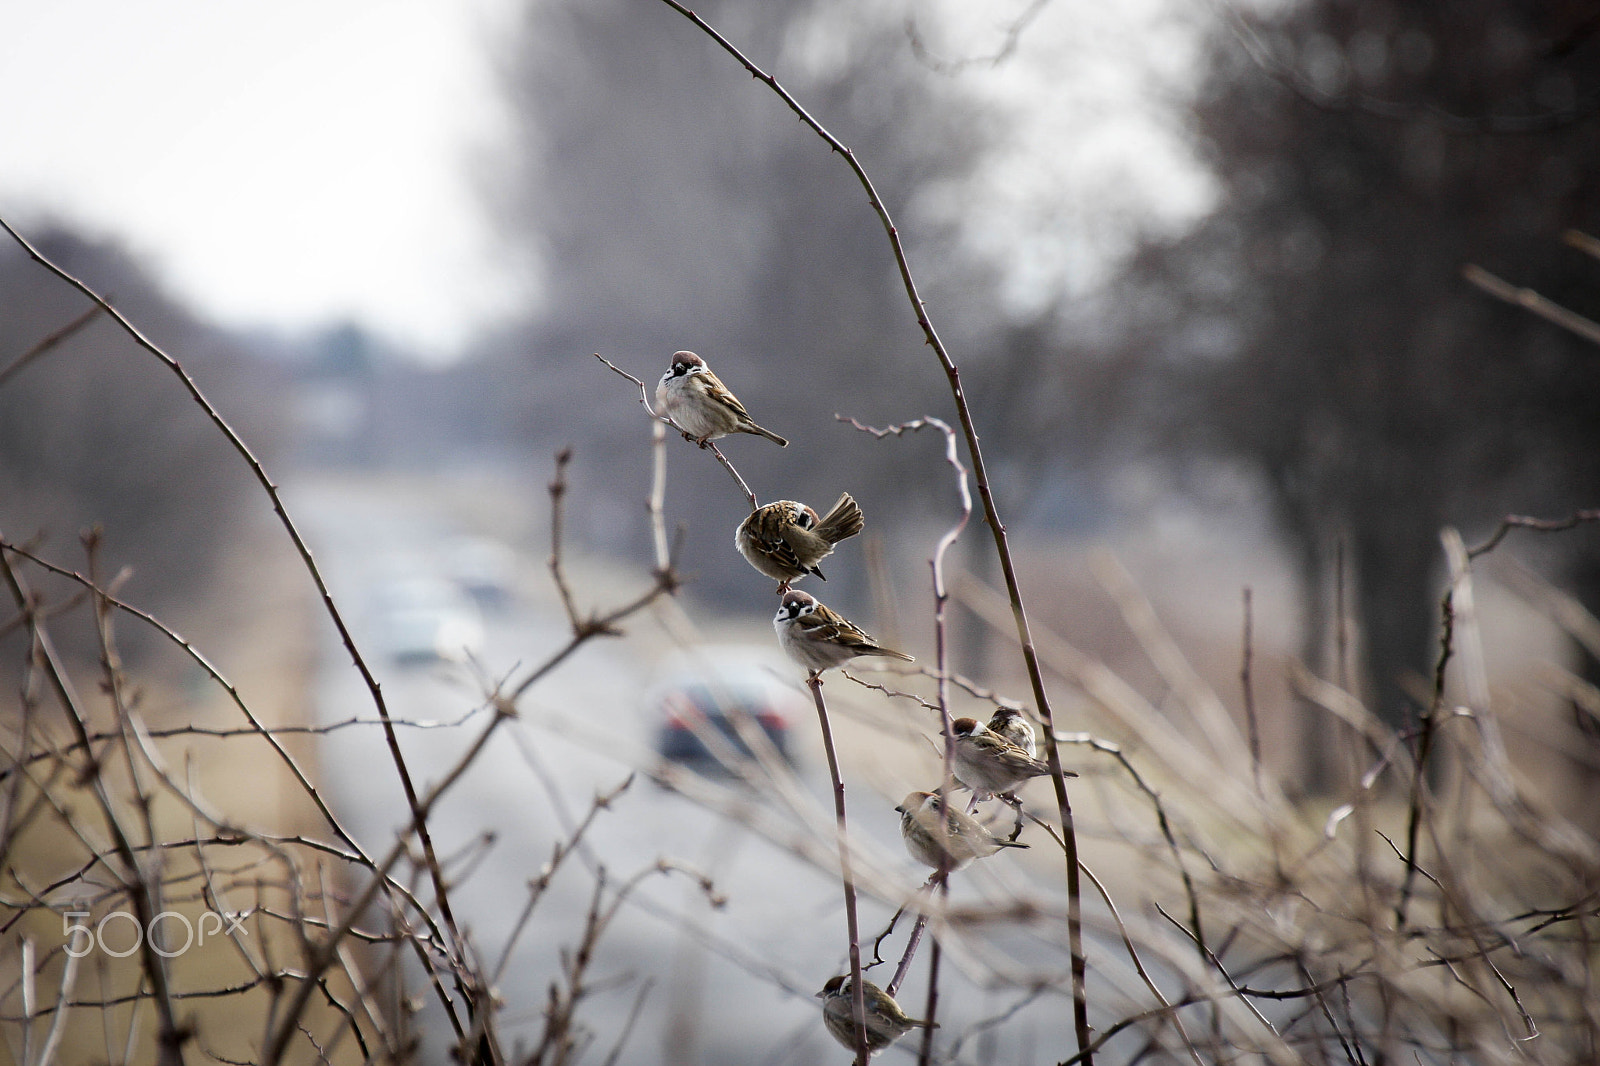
(1541, 525)
(558, 491)
(1529, 300)
(661, 419)
(49, 341)
(270, 488)
(857, 989)
(980, 476)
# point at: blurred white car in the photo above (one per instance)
(426, 619)
(484, 567)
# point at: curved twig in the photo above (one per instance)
(941, 600)
(991, 510)
(268, 486)
(1542, 525)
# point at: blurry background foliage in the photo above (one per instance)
(1202, 268)
(1284, 308)
(93, 432)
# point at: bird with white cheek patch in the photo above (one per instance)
(786, 540)
(988, 763)
(693, 397)
(820, 639)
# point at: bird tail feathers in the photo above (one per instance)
(845, 520)
(751, 427)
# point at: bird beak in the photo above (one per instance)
(902, 810)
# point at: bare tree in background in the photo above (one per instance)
(1230, 926)
(92, 434)
(1317, 327)
(670, 207)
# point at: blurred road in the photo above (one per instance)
(582, 730)
(367, 534)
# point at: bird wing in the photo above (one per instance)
(1010, 755)
(820, 623)
(795, 544)
(718, 392)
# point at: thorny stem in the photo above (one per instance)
(558, 492)
(877, 942)
(1530, 300)
(991, 512)
(858, 1003)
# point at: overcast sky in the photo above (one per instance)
(289, 163)
(278, 164)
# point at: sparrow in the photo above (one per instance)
(817, 638)
(988, 763)
(886, 1022)
(963, 839)
(1012, 726)
(786, 540)
(693, 397)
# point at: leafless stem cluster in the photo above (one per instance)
(1237, 926)
(149, 849)
(980, 476)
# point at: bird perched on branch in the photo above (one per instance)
(818, 638)
(962, 839)
(886, 1022)
(1009, 723)
(988, 763)
(693, 397)
(786, 540)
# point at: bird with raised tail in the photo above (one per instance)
(697, 400)
(820, 639)
(786, 540)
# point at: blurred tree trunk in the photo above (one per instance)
(1317, 327)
